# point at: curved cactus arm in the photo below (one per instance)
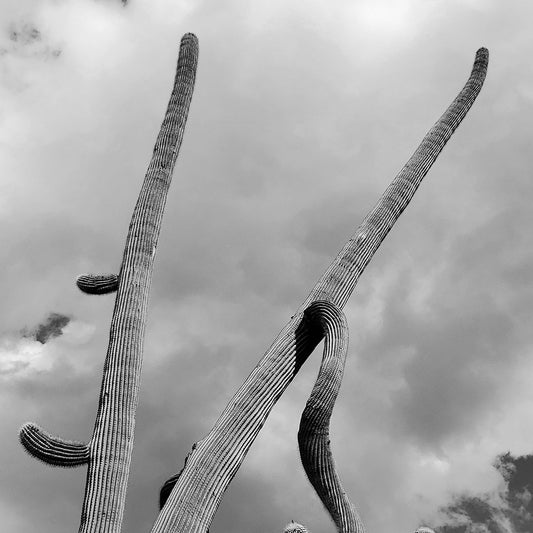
(313, 435)
(211, 467)
(97, 283)
(52, 450)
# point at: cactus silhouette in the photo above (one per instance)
(108, 453)
(193, 495)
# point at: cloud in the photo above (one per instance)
(32, 352)
(302, 113)
(509, 509)
(49, 329)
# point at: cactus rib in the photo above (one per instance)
(313, 435)
(211, 467)
(97, 283)
(51, 449)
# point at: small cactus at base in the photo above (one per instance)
(295, 527)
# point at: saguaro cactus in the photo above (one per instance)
(192, 497)
(108, 453)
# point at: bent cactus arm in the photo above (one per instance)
(191, 505)
(111, 445)
(53, 450)
(313, 435)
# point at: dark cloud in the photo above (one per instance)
(510, 511)
(52, 327)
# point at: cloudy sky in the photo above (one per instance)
(303, 112)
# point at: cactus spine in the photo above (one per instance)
(197, 492)
(108, 453)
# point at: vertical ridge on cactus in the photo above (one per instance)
(191, 505)
(313, 435)
(111, 445)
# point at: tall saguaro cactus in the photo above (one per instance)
(191, 498)
(108, 453)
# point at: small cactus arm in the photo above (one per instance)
(197, 492)
(313, 435)
(97, 284)
(110, 448)
(53, 450)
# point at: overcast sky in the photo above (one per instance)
(303, 112)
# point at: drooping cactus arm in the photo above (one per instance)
(198, 490)
(111, 445)
(52, 450)
(97, 283)
(313, 435)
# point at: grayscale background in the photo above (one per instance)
(303, 112)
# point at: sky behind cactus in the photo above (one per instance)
(303, 113)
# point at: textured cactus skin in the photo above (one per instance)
(294, 527)
(313, 435)
(197, 492)
(110, 448)
(52, 450)
(97, 284)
